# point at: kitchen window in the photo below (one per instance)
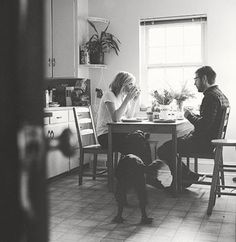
(171, 51)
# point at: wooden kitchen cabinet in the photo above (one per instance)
(60, 38)
(57, 163)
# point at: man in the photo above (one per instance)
(206, 124)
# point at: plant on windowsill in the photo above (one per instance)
(99, 44)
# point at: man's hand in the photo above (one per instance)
(187, 112)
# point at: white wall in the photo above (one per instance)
(82, 6)
(221, 39)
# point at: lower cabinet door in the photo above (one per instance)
(57, 163)
(74, 160)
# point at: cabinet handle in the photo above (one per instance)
(53, 62)
(49, 133)
(49, 62)
(52, 133)
(58, 117)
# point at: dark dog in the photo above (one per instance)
(130, 173)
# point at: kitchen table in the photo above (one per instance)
(175, 129)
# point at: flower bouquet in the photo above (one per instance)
(161, 102)
(164, 98)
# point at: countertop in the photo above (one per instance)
(48, 109)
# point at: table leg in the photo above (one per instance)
(175, 163)
(110, 160)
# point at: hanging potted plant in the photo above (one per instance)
(99, 44)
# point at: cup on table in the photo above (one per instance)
(150, 116)
(155, 115)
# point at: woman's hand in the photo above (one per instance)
(132, 94)
(137, 95)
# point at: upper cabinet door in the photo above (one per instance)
(48, 38)
(63, 29)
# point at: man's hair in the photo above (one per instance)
(120, 80)
(209, 72)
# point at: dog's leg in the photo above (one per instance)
(142, 196)
(120, 196)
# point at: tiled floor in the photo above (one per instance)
(84, 213)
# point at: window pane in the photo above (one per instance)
(174, 77)
(192, 54)
(174, 36)
(192, 34)
(156, 36)
(156, 79)
(174, 54)
(156, 56)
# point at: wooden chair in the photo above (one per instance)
(218, 167)
(196, 156)
(88, 142)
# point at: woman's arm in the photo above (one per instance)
(132, 106)
(116, 114)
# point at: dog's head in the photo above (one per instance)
(136, 143)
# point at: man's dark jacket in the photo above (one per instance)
(207, 124)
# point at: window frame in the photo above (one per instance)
(144, 53)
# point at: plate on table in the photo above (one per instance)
(142, 118)
(131, 120)
(54, 105)
(164, 120)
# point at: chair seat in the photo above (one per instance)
(224, 142)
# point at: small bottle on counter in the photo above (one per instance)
(47, 98)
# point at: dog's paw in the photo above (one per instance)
(146, 220)
(118, 220)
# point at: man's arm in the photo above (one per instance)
(208, 112)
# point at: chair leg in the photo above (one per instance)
(218, 183)
(155, 150)
(81, 167)
(116, 160)
(179, 177)
(188, 159)
(222, 176)
(215, 180)
(95, 161)
(195, 164)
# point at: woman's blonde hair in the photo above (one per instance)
(120, 80)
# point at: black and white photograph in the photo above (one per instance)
(118, 121)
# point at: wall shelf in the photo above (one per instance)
(96, 19)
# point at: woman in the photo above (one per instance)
(118, 102)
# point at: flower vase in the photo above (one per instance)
(180, 110)
(164, 111)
